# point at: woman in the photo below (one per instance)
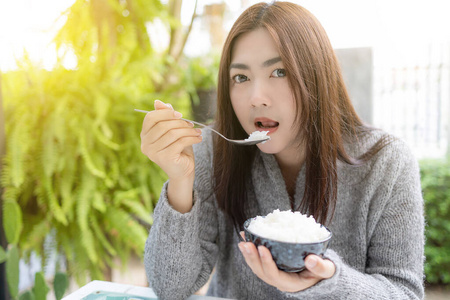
(278, 73)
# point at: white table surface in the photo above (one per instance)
(106, 286)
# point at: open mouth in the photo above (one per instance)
(266, 124)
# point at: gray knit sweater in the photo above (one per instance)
(377, 244)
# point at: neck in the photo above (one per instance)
(290, 166)
(292, 162)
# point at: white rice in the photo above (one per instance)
(287, 226)
(257, 135)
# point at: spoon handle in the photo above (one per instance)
(197, 123)
(207, 127)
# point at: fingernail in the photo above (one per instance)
(158, 101)
(169, 105)
(247, 249)
(311, 262)
(177, 114)
(198, 130)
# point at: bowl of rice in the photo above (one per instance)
(289, 236)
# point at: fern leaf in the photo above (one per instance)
(65, 245)
(114, 170)
(98, 203)
(11, 194)
(88, 158)
(53, 204)
(156, 180)
(65, 184)
(145, 191)
(138, 210)
(107, 142)
(36, 237)
(5, 175)
(119, 196)
(15, 152)
(106, 130)
(83, 202)
(101, 107)
(121, 224)
(48, 150)
(88, 243)
(99, 234)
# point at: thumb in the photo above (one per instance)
(161, 105)
(323, 268)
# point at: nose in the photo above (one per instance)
(260, 96)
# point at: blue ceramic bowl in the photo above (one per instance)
(289, 257)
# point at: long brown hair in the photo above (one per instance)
(325, 115)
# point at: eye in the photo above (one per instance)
(239, 78)
(278, 73)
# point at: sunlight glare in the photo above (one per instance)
(29, 25)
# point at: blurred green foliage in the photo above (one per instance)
(73, 173)
(200, 81)
(202, 73)
(435, 177)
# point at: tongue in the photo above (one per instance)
(269, 124)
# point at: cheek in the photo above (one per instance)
(238, 106)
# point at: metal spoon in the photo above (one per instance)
(238, 142)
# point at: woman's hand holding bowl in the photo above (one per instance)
(261, 263)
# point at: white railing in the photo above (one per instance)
(412, 100)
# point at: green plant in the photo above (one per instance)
(435, 177)
(73, 170)
(201, 74)
(203, 71)
(11, 258)
(200, 80)
(40, 289)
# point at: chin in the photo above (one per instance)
(268, 148)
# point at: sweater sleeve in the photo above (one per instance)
(181, 249)
(394, 265)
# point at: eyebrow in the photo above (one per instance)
(271, 61)
(267, 63)
(239, 66)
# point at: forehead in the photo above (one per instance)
(254, 46)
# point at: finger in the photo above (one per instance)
(251, 257)
(242, 235)
(172, 144)
(155, 116)
(269, 267)
(320, 267)
(284, 281)
(167, 143)
(167, 129)
(161, 105)
(178, 141)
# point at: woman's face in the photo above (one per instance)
(260, 92)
